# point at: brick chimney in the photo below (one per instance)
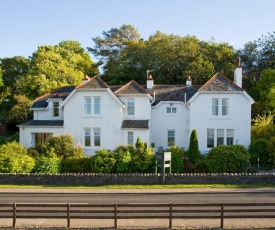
(238, 73)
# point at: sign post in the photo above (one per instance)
(165, 158)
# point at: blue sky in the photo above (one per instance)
(27, 24)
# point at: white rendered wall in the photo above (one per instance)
(25, 134)
(162, 122)
(48, 113)
(239, 118)
(109, 121)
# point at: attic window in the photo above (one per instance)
(56, 109)
(171, 110)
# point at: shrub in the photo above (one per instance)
(103, 161)
(123, 157)
(63, 147)
(258, 149)
(47, 165)
(227, 159)
(14, 159)
(77, 165)
(33, 152)
(193, 152)
(142, 159)
(176, 159)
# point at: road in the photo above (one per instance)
(111, 196)
(138, 196)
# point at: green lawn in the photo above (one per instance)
(176, 186)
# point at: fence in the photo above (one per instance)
(170, 211)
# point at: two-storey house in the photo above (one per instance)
(101, 116)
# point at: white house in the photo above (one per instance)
(101, 116)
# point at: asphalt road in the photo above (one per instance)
(138, 196)
(111, 196)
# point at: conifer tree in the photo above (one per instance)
(193, 152)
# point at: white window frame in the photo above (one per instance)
(87, 106)
(169, 136)
(130, 106)
(97, 134)
(97, 105)
(220, 137)
(56, 108)
(87, 134)
(215, 107)
(130, 138)
(171, 110)
(210, 137)
(230, 134)
(224, 107)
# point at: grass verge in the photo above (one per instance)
(172, 186)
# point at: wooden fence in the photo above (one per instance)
(170, 211)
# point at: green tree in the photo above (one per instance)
(193, 152)
(20, 112)
(227, 159)
(123, 159)
(52, 67)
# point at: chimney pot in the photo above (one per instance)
(188, 81)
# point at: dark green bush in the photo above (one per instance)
(103, 161)
(259, 149)
(123, 158)
(176, 159)
(77, 165)
(228, 159)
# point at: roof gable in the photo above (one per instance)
(131, 87)
(220, 83)
(93, 83)
(60, 93)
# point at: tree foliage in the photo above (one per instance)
(259, 149)
(52, 67)
(63, 147)
(193, 152)
(227, 159)
(14, 159)
(20, 112)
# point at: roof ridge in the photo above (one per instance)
(128, 84)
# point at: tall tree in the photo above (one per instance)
(13, 70)
(108, 48)
(56, 66)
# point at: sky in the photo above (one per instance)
(27, 24)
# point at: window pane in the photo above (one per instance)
(171, 137)
(56, 109)
(87, 138)
(96, 137)
(130, 106)
(215, 107)
(41, 139)
(230, 136)
(174, 110)
(224, 107)
(220, 137)
(97, 105)
(130, 138)
(87, 105)
(210, 138)
(168, 110)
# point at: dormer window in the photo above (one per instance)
(171, 110)
(55, 109)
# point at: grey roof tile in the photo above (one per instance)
(131, 87)
(135, 124)
(93, 83)
(57, 123)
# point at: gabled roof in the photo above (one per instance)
(131, 87)
(93, 83)
(57, 123)
(173, 92)
(135, 124)
(61, 93)
(220, 83)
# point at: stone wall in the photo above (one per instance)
(94, 179)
